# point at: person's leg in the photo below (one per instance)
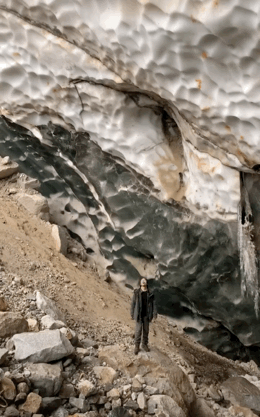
(138, 334)
(145, 334)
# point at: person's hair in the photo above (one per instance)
(139, 281)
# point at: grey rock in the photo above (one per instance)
(3, 355)
(11, 324)
(46, 378)
(49, 307)
(131, 405)
(141, 401)
(60, 412)
(119, 412)
(36, 204)
(44, 346)
(67, 391)
(11, 411)
(166, 405)
(239, 391)
(79, 403)
(89, 343)
(49, 323)
(20, 398)
(23, 387)
(50, 404)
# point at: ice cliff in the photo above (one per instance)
(141, 119)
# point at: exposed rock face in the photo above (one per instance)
(138, 132)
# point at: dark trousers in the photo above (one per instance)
(142, 326)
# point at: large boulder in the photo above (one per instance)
(7, 167)
(46, 378)
(12, 323)
(49, 307)
(239, 391)
(166, 405)
(36, 204)
(44, 346)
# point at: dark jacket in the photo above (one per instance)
(136, 305)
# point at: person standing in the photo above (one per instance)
(143, 311)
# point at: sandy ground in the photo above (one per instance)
(28, 251)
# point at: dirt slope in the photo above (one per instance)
(27, 251)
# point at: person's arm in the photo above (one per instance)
(133, 306)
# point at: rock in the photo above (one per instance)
(141, 401)
(132, 405)
(116, 403)
(60, 238)
(49, 307)
(89, 343)
(166, 405)
(32, 403)
(79, 403)
(136, 385)
(12, 323)
(239, 391)
(114, 394)
(36, 204)
(26, 182)
(7, 168)
(46, 378)
(8, 388)
(70, 334)
(49, 323)
(214, 393)
(32, 325)
(50, 404)
(201, 409)
(86, 388)
(3, 355)
(9, 345)
(236, 410)
(149, 390)
(44, 346)
(67, 391)
(105, 374)
(11, 411)
(3, 304)
(119, 412)
(60, 412)
(23, 387)
(20, 398)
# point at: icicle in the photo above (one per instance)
(248, 260)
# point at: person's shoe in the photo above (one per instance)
(136, 351)
(145, 348)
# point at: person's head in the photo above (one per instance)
(143, 284)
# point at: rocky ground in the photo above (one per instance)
(75, 355)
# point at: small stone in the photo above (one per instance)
(23, 387)
(131, 404)
(11, 411)
(114, 394)
(108, 406)
(86, 387)
(8, 388)
(79, 403)
(136, 385)
(33, 325)
(60, 412)
(3, 304)
(116, 403)
(20, 398)
(67, 391)
(32, 403)
(3, 355)
(49, 323)
(141, 401)
(50, 404)
(105, 374)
